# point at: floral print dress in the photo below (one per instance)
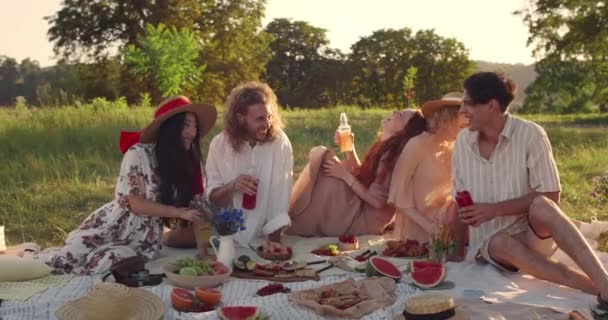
(113, 232)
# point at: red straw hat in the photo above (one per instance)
(206, 115)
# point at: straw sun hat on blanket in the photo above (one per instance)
(113, 301)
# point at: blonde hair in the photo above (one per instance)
(238, 102)
(441, 118)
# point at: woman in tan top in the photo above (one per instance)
(421, 183)
(333, 197)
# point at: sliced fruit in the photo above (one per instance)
(332, 246)
(184, 301)
(219, 268)
(181, 299)
(209, 297)
(250, 265)
(239, 265)
(419, 265)
(428, 277)
(199, 270)
(380, 267)
(188, 271)
(244, 258)
(238, 312)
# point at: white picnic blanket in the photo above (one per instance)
(496, 287)
(234, 292)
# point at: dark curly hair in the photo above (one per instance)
(485, 86)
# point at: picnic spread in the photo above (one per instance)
(307, 286)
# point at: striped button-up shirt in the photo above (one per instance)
(521, 162)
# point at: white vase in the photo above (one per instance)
(226, 251)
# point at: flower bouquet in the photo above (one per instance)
(441, 244)
(225, 221)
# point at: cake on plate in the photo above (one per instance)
(432, 306)
(348, 243)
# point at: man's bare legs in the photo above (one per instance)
(548, 220)
(512, 251)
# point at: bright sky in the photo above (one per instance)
(486, 27)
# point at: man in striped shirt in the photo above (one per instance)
(507, 166)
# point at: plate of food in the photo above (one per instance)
(274, 251)
(408, 249)
(328, 250)
(348, 243)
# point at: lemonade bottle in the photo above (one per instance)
(346, 138)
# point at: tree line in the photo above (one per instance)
(147, 49)
(203, 48)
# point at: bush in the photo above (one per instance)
(144, 100)
(101, 104)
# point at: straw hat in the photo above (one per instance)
(205, 114)
(452, 99)
(113, 301)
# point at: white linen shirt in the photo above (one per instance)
(272, 164)
(521, 162)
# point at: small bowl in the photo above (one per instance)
(274, 257)
(191, 282)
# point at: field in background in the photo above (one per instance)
(60, 164)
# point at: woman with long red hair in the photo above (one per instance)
(333, 197)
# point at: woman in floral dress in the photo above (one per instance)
(160, 174)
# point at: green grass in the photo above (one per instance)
(58, 165)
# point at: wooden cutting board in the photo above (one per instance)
(296, 276)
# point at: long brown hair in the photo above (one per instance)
(388, 151)
(238, 102)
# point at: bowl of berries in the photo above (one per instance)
(348, 243)
(272, 289)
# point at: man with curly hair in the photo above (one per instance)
(250, 163)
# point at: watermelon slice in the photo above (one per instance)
(238, 313)
(428, 277)
(419, 265)
(377, 266)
